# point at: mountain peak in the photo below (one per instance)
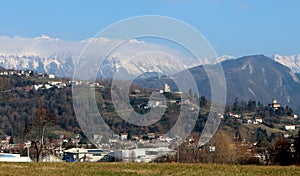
(258, 56)
(44, 37)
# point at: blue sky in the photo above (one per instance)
(233, 27)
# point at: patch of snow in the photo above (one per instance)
(252, 92)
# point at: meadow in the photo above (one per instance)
(115, 169)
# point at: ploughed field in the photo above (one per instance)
(143, 169)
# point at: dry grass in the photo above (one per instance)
(142, 169)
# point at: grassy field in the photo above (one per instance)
(142, 169)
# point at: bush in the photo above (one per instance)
(248, 161)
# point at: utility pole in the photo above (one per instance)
(77, 140)
(178, 148)
(60, 146)
(178, 154)
(27, 145)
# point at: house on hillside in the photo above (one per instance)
(290, 127)
(258, 121)
(167, 88)
(151, 135)
(124, 136)
(51, 76)
(37, 87)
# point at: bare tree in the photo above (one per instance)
(221, 149)
(35, 131)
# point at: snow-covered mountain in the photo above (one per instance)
(57, 63)
(292, 62)
(62, 64)
(42, 54)
(55, 56)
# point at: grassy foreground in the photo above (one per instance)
(142, 169)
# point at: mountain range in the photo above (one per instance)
(62, 64)
(251, 77)
(55, 56)
(57, 64)
(254, 77)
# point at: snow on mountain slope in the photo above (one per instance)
(292, 62)
(55, 56)
(58, 64)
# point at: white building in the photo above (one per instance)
(8, 157)
(290, 127)
(37, 87)
(167, 88)
(142, 154)
(51, 158)
(85, 155)
(236, 115)
(274, 104)
(47, 86)
(259, 121)
(212, 148)
(123, 136)
(51, 76)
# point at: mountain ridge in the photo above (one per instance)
(255, 77)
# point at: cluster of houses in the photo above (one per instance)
(248, 120)
(123, 139)
(27, 73)
(6, 144)
(139, 149)
(117, 148)
(52, 83)
(258, 120)
(61, 84)
(104, 155)
(16, 73)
